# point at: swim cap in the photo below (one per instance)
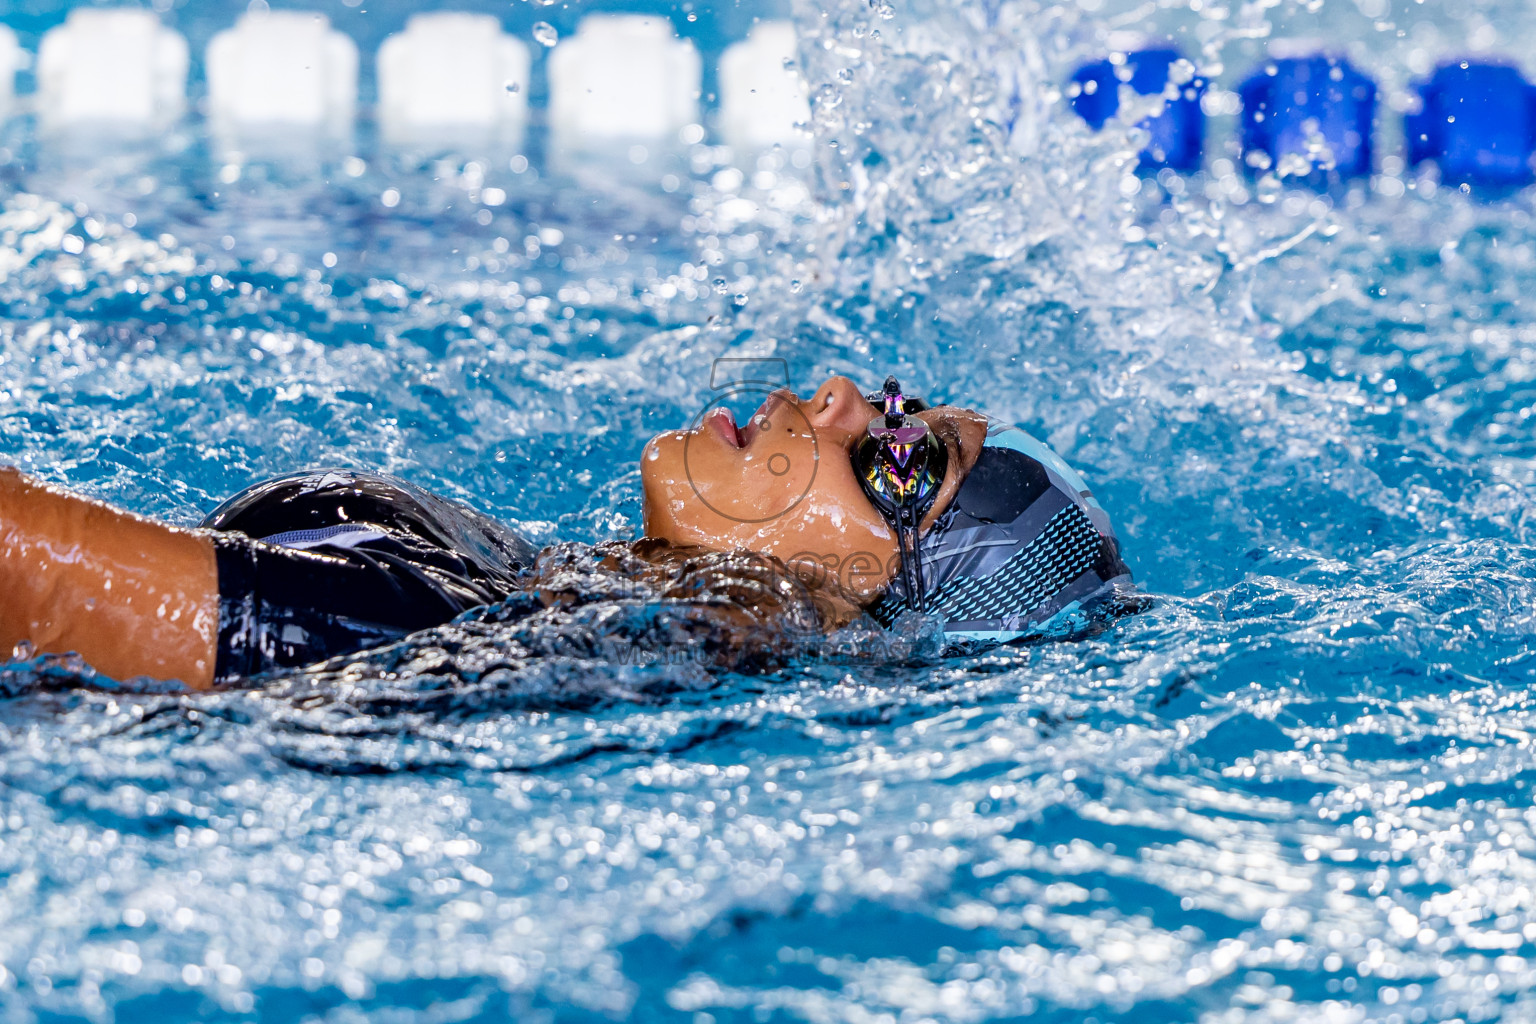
(1023, 551)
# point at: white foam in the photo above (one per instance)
(114, 67)
(455, 75)
(761, 99)
(622, 78)
(282, 70)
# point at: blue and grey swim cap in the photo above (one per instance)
(1023, 551)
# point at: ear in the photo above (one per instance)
(963, 432)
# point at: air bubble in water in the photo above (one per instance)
(545, 33)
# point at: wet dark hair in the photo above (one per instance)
(740, 610)
(674, 618)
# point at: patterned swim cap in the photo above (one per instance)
(1024, 550)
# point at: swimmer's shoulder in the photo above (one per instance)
(332, 506)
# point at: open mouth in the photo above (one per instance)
(759, 421)
(723, 421)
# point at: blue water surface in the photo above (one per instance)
(1296, 789)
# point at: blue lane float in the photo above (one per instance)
(1178, 133)
(1478, 123)
(1308, 117)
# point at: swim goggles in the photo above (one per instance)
(900, 465)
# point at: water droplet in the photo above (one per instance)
(544, 33)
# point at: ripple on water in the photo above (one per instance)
(1294, 789)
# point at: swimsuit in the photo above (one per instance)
(323, 563)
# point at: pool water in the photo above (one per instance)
(1296, 789)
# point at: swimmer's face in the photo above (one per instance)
(782, 484)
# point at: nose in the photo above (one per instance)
(839, 405)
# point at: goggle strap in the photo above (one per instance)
(906, 523)
(917, 561)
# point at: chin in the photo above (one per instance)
(662, 455)
(661, 464)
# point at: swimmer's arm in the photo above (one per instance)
(134, 597)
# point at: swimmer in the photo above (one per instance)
(882, 504)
